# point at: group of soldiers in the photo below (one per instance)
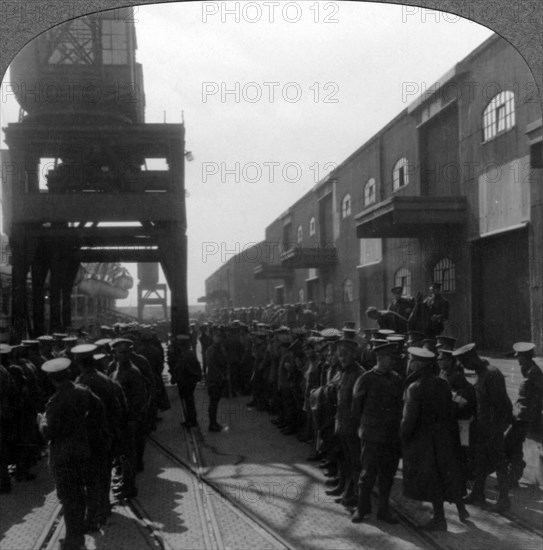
(94, 404)
(273, 314)
(366, 398)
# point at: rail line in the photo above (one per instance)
(207, 487)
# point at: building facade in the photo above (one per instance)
(450, 190)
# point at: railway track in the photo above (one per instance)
(211, 501)
(207, 489)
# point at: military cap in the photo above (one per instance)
(523, 347)
(68, 339)
(103, 342)
(385, 349)
(45, 338)
(84, 350)
(58, 364)
(396, 289)
(421, 353)
(468, 349)
(282, 328)
(59, 335)
(429, 343)
(331, 334)
(445, 351)
(5, 349)
(99, 356)
(445, 342)
(105, 328)
(122, 342)
(349, 334)
(30, 343)
(260, 333)
(379, 341)
(349, 342)
(298, 331)
(396, 338)
(385, 332)
(416, 335)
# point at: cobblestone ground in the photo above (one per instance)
(267, 473)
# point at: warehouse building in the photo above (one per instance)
(450, 190)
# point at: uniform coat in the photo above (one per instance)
(431, 471)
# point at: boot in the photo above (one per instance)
(338, 489)
(349, 499)
(363, 507)
(463, 514)
(503, 504)
(332, 482)
(383, 513)
(477, 495)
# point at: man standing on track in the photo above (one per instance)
(186, 372)
(217, 377)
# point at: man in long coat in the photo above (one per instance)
(494, 416)
(430, 467)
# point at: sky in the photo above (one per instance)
(273, 100)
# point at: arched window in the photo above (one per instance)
(402, 278)
(444, 273)
(499, 115)
(348, 290)
(400, 174)
(346, 206)
(369, 192)
(299, 235)
(311, 227)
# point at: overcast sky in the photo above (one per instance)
(308, 85)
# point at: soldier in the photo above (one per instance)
(429, 441)
(438, 311)
(527, 410)
(58, 346)
(401, 305)
(73, 417)
(494, 415)
(464, 407)
(205, 342)
(31, 401)
(217, 378)
(346, 424)
(46, 347)
(185, 371)
(132, 381)
(377, 405)
(8, 409)
(104, 388)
